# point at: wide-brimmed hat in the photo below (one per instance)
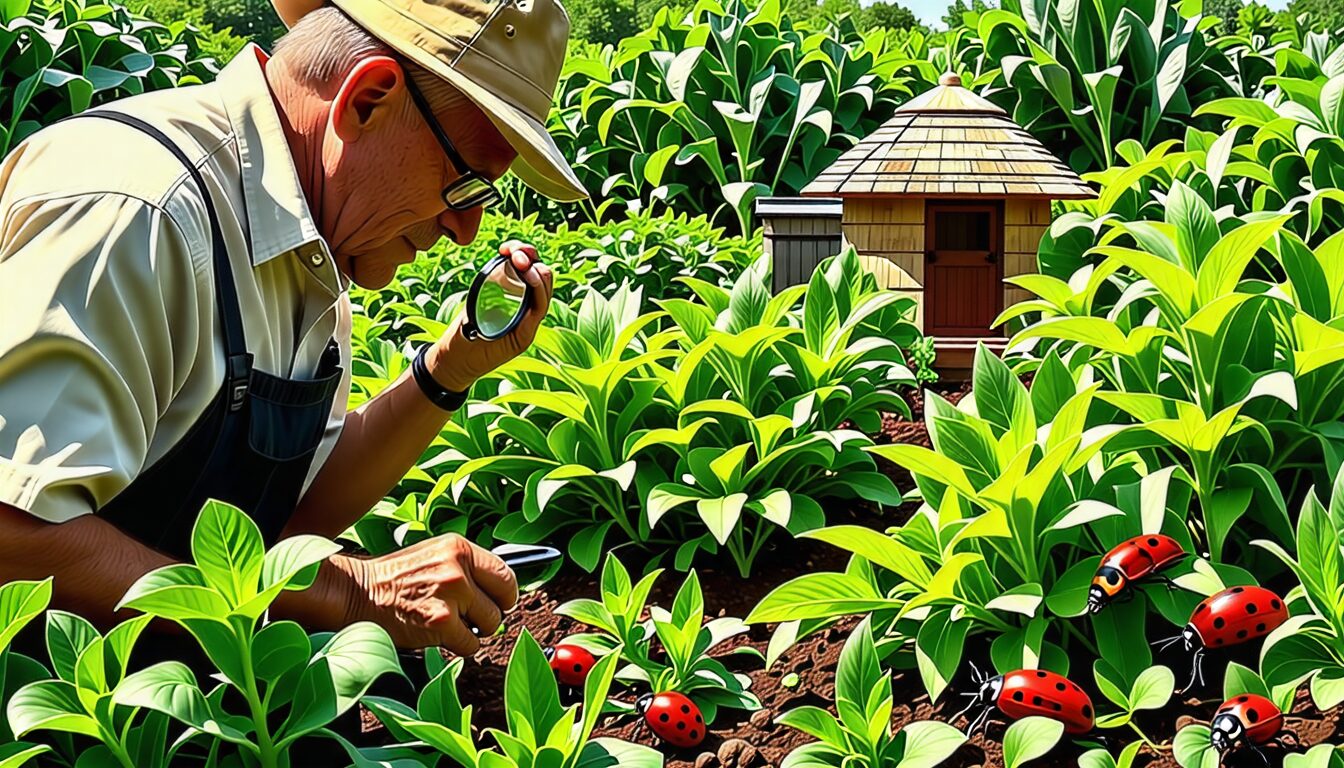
(504, 55)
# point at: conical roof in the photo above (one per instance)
(949, 142)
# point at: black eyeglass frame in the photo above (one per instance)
(465, 174)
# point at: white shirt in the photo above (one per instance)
(110, 347)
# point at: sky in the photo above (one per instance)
(931, 11)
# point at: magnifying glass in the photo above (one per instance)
(497, 300)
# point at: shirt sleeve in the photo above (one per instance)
(99, 323)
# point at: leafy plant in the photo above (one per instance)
(1084, 76)
(709, 97)
(685, 637)
(20, 603)
(540, 732)
(281, 674)
(1310, 644)
(60, 57)
(861, 733)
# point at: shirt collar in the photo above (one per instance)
(278, 218)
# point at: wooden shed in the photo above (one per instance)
(944, 201)
(798, 233)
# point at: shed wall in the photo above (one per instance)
(1025, 221)
(888, 235)
(796, 245)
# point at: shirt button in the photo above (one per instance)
(316, 258)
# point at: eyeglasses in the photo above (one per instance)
(470, 189)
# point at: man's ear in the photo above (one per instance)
(371, 92)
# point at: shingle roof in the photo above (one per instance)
(949, 142)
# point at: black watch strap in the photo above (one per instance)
(446, 399)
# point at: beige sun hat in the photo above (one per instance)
(504, 55)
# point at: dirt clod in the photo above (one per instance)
(706, 760)
(736, 753)
(760, 718)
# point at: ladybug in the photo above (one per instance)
(1235, 615)
(673, 717)
(571, 663)
(1249, 722)
(1029, 692)
(1128, 562)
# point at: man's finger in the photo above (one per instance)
(494, 578)
(484, 614)
(454, 635)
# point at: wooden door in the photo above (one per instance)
(963, 290)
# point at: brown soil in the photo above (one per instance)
(753, 740)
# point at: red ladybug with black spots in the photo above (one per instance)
(673, 717)
(1128, 562)
(1248, 722)
(1235, 615)
(1028, 692)
(571, 663)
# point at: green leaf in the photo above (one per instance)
(1152, 689)
(16, 754)
(290, 562)
(338, 675)
(1193, 749)
(175, 592)
(1239, 679)
(1030, 738)
(531, 695)
(1068, 596)
(878, 548)
(819, 596)
(938, 648)
(52, 705)
(928, 743)
(721, 514)
(227, 548)
(20, 603)
(67, 637)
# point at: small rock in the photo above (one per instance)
(760, 718)
(736, 753)
(706, 760)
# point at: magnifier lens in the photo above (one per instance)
(500, 299)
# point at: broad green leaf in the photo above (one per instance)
(20, 603)
(49, 705)
(1193, 749)
(227, 548)
(175, 592)
(928, 743)
(67, 637)
(1030, 738)
(878, 548)
(1152, 689)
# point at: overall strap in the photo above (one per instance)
(238, 362)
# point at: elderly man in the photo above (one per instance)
(174, 322)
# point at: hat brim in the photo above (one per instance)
(540, 163)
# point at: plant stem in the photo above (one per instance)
(254, 705)
(1145, 738)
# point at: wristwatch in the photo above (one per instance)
(446, 399)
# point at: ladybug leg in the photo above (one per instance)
(968, 706)
(1166, 581)
(1259, 752)
(1195, 672)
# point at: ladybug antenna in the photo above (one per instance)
(1196, 671)
(1166, 642)
(548, 652)
(643, 702)
(976, 675)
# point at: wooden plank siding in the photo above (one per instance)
(796, 245)
(888, 235)
(1025, 223)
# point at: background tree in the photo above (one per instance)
(1226, 11)
(1325, 15)
(955, 11)
(603, 21)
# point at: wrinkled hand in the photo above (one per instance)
(457, 362)
(432, 593)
